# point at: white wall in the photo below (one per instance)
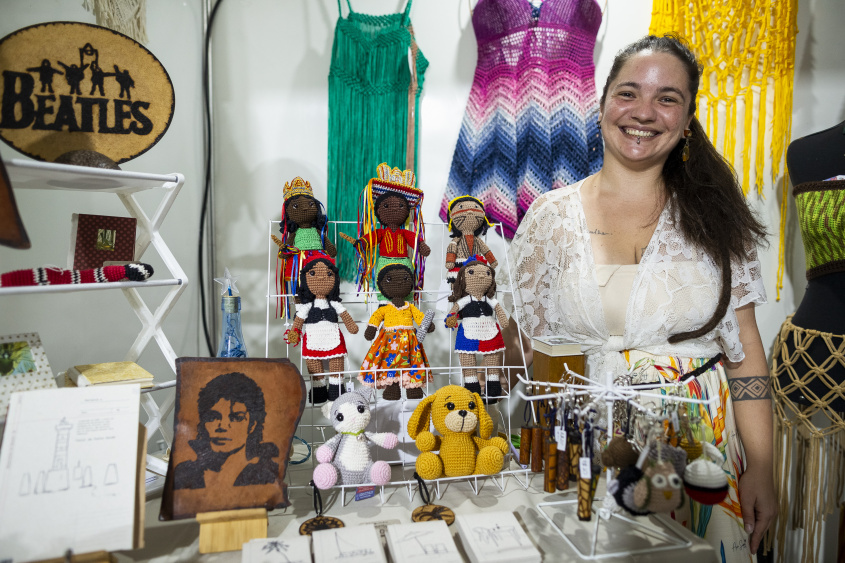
(271, 67)
(99, 326)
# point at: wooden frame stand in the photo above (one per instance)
(228, 530)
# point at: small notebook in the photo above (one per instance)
(277, 550)
(110, 373)
(96, 239)
(422, 541)
(495, 537)
(356, 544)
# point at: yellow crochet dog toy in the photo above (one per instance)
(456, 413)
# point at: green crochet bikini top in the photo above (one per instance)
(821, 214)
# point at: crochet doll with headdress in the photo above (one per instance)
(396, 355)
(467, 223)
(474, 304)
(303, 228)
(393, 200)
(318, 315)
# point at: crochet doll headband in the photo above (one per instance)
(476, 258)
(297, 186)
(398, 181)
(461, 198)
(311, 255)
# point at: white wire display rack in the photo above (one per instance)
(25, 174)
(316, 429)
(607, 392)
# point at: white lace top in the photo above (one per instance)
(676, 288)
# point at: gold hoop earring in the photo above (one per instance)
(685, 153)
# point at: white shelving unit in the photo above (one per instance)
(25, 174)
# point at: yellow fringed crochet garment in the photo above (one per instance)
(747, 48)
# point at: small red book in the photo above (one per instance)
(96, 239)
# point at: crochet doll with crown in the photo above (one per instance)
(396, 356)
(393, 200)
(303, 228)
(474, 304)
(318, 315)
(467, 222)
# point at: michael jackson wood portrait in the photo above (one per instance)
(235, 420)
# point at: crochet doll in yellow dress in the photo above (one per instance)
(396, 350)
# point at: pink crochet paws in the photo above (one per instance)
(325, 476)
(379, 472)
(390, 441)
(324, 454)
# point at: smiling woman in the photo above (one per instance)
(651, 264)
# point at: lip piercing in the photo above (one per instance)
(638, 140)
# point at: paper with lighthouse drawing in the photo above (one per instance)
(68, 471)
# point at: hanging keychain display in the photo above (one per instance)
(428, 511)
(319, 522)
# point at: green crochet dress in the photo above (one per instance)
(373, 110)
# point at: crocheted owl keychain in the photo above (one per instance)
(467, 223)
(481, 320)
(393, 200)
(303, 228)
(656, 488)
(345, 459)
(319, 314)
(396, 356)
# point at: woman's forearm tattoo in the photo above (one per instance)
(749, 388)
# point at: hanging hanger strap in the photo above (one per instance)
(340, 8)
(426, 498)
(318, 500)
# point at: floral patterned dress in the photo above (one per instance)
(396, 352)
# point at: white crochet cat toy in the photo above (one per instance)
(347, 453)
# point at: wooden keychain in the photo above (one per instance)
(525, 435)
(573, 434)
(550, 454)
(428, 512)
(319, 522)
(562, 478)
(537, 446)
(585, 475)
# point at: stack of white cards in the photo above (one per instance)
(422, 541)
(356, 544)
(495, 537)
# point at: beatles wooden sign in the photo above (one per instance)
(73, 86)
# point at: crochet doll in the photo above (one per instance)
(474, 303)
(397, 349)
(319, 312)
(347, 453)
(389, 200)
(303, 228)
(467, 222)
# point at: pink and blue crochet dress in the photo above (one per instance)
(531, 123)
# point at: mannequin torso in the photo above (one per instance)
(813, 159)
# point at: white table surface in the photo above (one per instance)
(178, 540)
